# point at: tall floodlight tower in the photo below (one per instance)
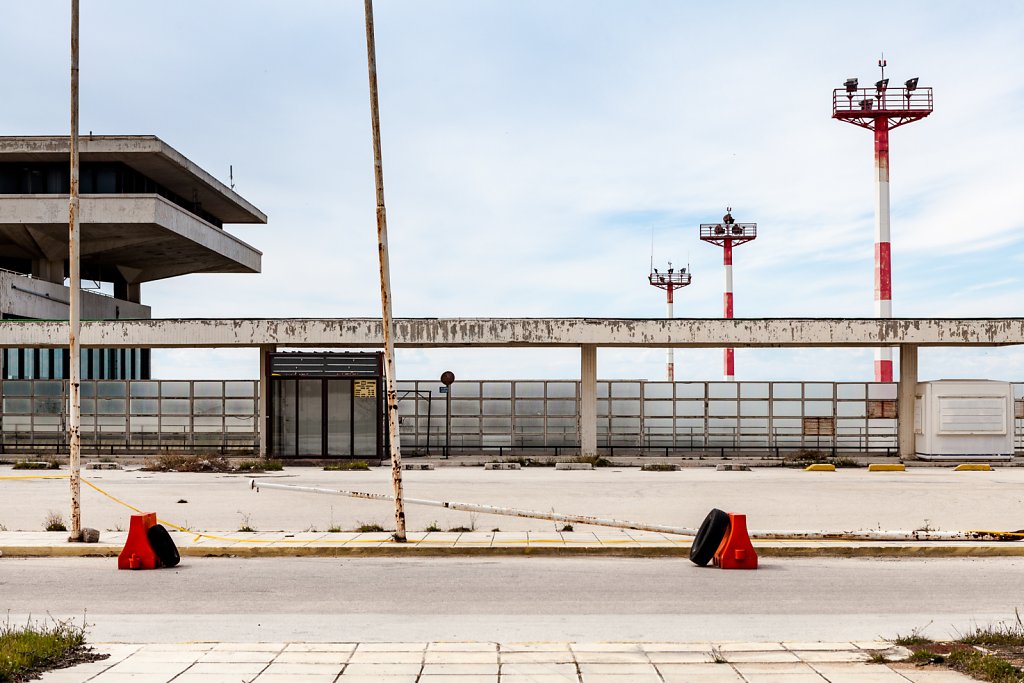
(670, 281)
(880, 109)
(728, 234)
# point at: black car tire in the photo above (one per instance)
(709, 537)
(163, 545)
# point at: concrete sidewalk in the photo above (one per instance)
(610, 542)
(488, 662)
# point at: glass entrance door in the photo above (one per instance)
(337, 417)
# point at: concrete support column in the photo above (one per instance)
(50, 271)
(128, 291)
(907, 393)
(588, 399)
(263, 421)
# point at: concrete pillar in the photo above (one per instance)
(50, 271)
(588, 399)
(263, 419)
(906, 397)
(128, 291)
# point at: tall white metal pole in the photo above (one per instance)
(883, 249)
(671, 362)
(74, 312)
(385, 283)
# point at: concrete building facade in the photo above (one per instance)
(147, 213)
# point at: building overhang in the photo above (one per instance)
(522, 332)
(147, 154)
(135, 238)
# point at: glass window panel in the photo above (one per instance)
(722, 390)
(208, 389)
(721, 408)
(175, 406)
(365, 426)
(465, 390)
(561, 390)
(626, 408)
(689, 408)
(561, 407)
(17, 405)
(497, 423)
(110, 424)
(17, 388)
(88, 406)
(466, 425)
(817, 408)
(208, 406)
(145, 406)
(818, 390)
(465, 407)
(795, 424)
(143, 424)
(689, 423)
(283, 404)
(786, 408)
(625, 389)
(311, 415)
(48, 406)
(239, 389)
(851, 408)
(658, 408)
(240, 407)
(175, 425)
(787, 390)
(1018, 391)
(753, 389)
(603, 389)
(111, 389)
(629, 424)
(690, 389)
(753, 408)
(88, 389)
(143, 389)
(657, 390)
(850, 391)
(208, 424)
(12, 366)
(529, 407)
(561, 423)
(44, 388)
(174, 389)
(529, 422)
(497, 407)
(496, 389)
(754, 424)
(882, 391)
(529, 389)
(602, 408)
(110, 406)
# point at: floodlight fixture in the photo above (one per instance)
(851, 84)
(911, 84)
(882, 84)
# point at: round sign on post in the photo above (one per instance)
(447, 379)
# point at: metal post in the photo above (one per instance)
(385, 283)
(883, 263)
(730, 368)
(671, 354)
(447, 422)
(74, 312)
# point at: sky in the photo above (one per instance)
(534, 151)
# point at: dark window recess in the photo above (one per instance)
(94, 178)
(96, 364)
(326, 364)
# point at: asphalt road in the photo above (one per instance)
(513, 599)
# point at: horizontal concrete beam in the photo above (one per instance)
(521, 332)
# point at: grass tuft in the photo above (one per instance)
(594, 460)
(1000, 635)
(364, 528)
(54, 521)
(259, 466)
(177, 462)
(26, 651)
(433, 527)
(50, 464)
(346, 466)
(984, 667)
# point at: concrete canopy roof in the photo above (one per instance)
(135, 238)
(147, 154)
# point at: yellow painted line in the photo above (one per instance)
(820, 467)
(973, 467)
(882, 467)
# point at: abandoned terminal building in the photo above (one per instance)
(148, 213)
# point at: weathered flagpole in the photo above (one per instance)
(74, 311)
(385, 284)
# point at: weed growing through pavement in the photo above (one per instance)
(246, 526)
(433, 527)
(567, 527)
(27, 651)
(49, 464)
(717, 657)
(54, 521)
(364, 528)
(347, 466)
(1004, 634)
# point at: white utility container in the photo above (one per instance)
(964, 419)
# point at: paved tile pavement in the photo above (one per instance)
(480, 662)
(605, 541)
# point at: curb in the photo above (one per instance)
(831, 550)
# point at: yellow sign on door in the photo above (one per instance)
(365, 388)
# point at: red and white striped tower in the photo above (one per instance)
(727, 234)
(670, 281)
(880, 109)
